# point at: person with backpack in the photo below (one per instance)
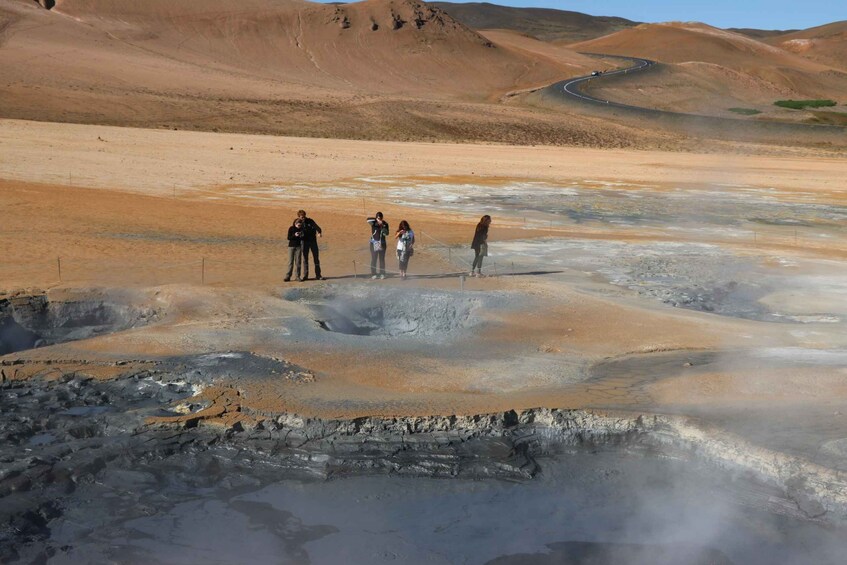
(296, 235)
(480, 245)
(311, 232)
(379, 230)
(405, 246)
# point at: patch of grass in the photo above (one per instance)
(800, 104)
(745, 111)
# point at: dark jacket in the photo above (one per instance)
(311, 229)
(378, 232)
(295, 240)
(480, 236)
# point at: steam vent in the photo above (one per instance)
(402, 282)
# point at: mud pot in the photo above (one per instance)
(390, 313)
(92, 474)
(31, 321)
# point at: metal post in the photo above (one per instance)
(59, 265)
(203, 271)
(461, 282)
(355, 271)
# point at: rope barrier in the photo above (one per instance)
(449, 248)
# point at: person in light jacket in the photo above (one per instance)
(405, 246)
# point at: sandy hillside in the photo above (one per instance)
(826, 44)
(389, 69)
(381, 46)
(538, 49)
(708, 70)
(395, 70)
(540, 23)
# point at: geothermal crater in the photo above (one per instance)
(391, 313)
(31, 321)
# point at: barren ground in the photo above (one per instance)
(680, 302)
(139, 213)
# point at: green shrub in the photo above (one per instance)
(800, 104)
(745, 111)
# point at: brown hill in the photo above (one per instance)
(379, 69)
(759, 34)
(573, 63)
(397, 46)
(826, 44)
(540, 23)
(709, 70)
(678, 42)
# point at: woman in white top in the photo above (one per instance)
(405, 246)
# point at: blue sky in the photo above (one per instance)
(760, 14)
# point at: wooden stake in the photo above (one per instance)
(203, 271)
(59, 266)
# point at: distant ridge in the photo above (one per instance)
(760, 33)
(545, 24)
(826, 44)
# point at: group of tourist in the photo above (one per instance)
(405, 246)
(303, 241)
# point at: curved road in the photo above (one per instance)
(569, 89)
(571, 86)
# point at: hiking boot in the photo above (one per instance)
(382, 276)
(373, 277)
(287, 279)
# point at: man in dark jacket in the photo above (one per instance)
(311, 232)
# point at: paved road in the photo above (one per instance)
(571, 86)
(570, 90)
